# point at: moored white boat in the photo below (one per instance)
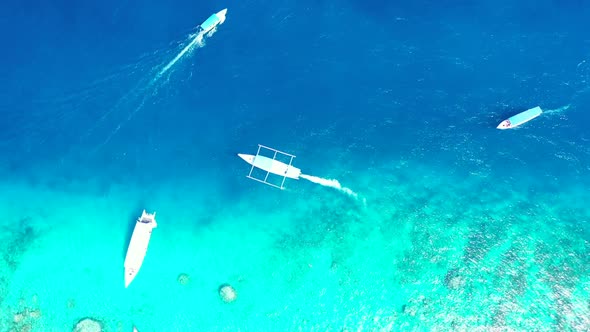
(138, 245)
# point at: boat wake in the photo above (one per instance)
(143, 92)
(197, 42)
(329, 183)
(558, 110)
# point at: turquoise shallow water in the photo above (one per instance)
(412, 256)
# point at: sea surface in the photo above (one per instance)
(429, 218)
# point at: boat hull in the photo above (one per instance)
(272, 166)
(213, 21)
(520, 118)
(138, 245)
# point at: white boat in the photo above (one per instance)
(520, 118)
(271, 165)
(213, 21)
(138, 245)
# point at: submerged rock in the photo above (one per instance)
(35, 314)
(228, 293)
(183, 279)
(71, 304)
(18, 317)
(25, 328)
(24, 319)
(454, 280)
(88, 325)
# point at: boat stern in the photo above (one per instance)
(293, 172)
(148, 218)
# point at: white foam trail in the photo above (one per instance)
(197, 41)
(558, 110)
(329, 183)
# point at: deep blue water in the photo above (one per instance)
(291, 68)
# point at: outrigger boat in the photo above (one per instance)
(138, 245)
(271, 166)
